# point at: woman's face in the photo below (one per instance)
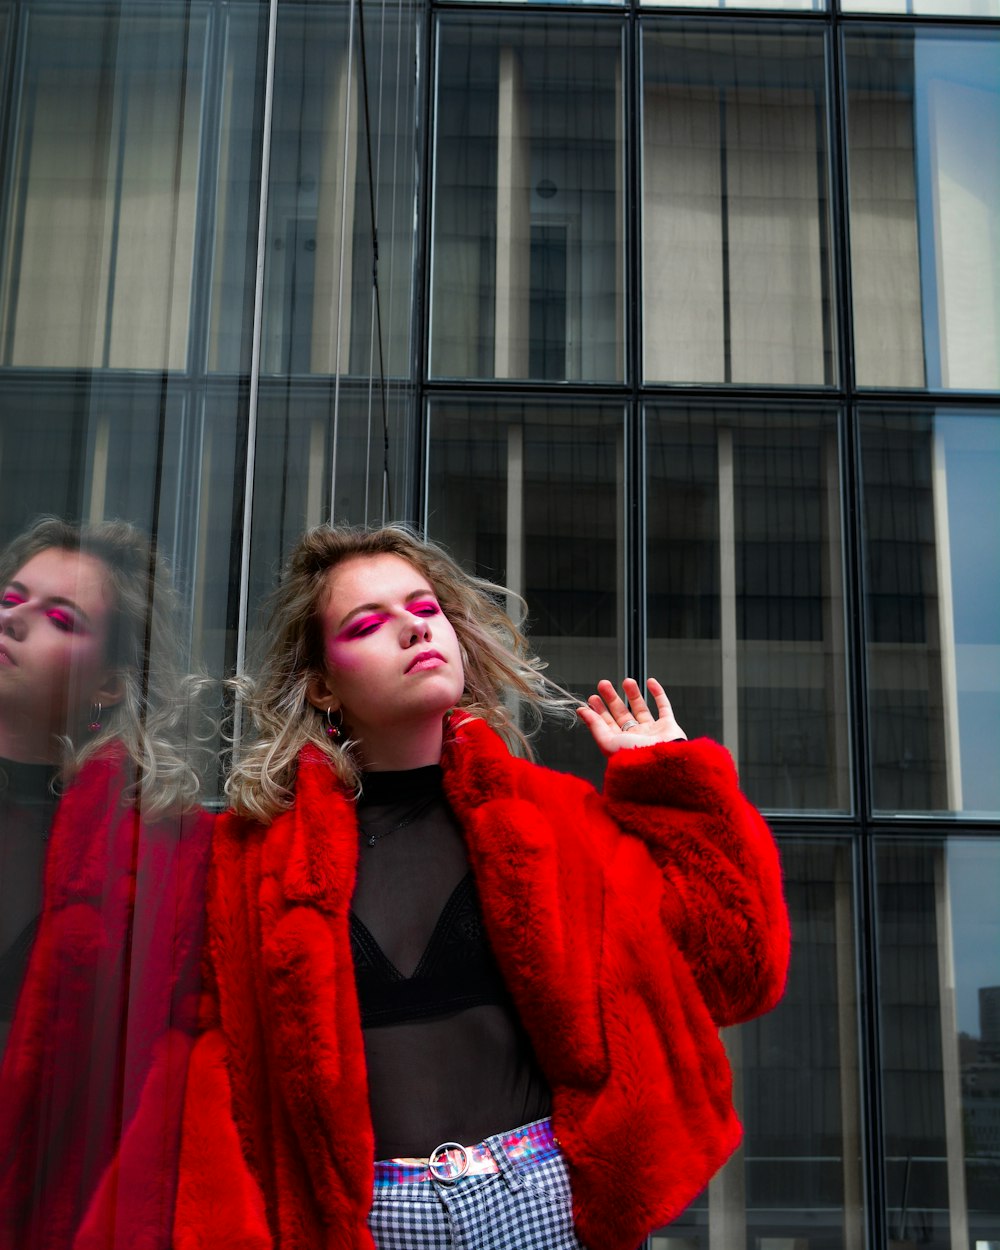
(55, 614)
(393, 662)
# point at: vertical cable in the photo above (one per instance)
(258, 308)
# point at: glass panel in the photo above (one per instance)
(795, 1184)
(227, 274)
(312, 440)
(931, 488)
(735, 207)
(108, 734)
(938, 932)
(321, 312)
(925, 8)
(338, 446)
(559, 2)
(531, 497)
(100, 241)
(731, 6)
(105, 743)
(745, 599)
(924, 178)
(527, 268)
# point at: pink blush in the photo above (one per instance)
(340, 655)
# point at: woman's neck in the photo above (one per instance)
(28, 748)
(411, 746)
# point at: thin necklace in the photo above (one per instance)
(413, 814)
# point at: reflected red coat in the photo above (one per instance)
(109, 997)
(628, 927)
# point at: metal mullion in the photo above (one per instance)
(635, 588)
(258, 312)
(870, 1080)
(218, 24)
(420, 340)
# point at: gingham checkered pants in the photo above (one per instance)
(527, 1205)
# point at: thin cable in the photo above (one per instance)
(378, 300)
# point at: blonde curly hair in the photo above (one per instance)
(501, 673)
(158, 719)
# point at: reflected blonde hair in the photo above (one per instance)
(156, 718)
(501, 673)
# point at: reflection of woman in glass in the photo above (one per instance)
(101, 856)
(462, 999)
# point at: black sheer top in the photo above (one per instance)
(27, 806)
(447, 1057)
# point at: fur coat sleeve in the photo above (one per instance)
(627, 925)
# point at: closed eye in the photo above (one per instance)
(11, 599)
(62, 620)
(363, 627)
(425, 609)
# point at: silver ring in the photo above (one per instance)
(630, 724)
(438, 1159)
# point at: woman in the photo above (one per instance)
(102, 858)
(459, 999)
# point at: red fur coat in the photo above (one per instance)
(628, 927)
(104, 1017)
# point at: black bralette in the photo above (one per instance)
(457, 969)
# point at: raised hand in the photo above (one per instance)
(616, 725)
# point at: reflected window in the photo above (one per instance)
(796, 1179)
(732, 6)
(531, 497)
(932, 579)
(132, 145)
(227, 304)
(322, 452)
(320, 313)
(744, 597)
(924, 181)
(736, 247)
(938, 938)
(925, 8)
(527, 266)
(100, 246)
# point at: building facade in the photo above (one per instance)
(680, 320)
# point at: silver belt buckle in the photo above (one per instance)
(439, 1158)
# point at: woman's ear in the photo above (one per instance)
(319, 694)
(112, 691)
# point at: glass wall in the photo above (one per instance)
(805, 211)
(682, 322)
(199, 355)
